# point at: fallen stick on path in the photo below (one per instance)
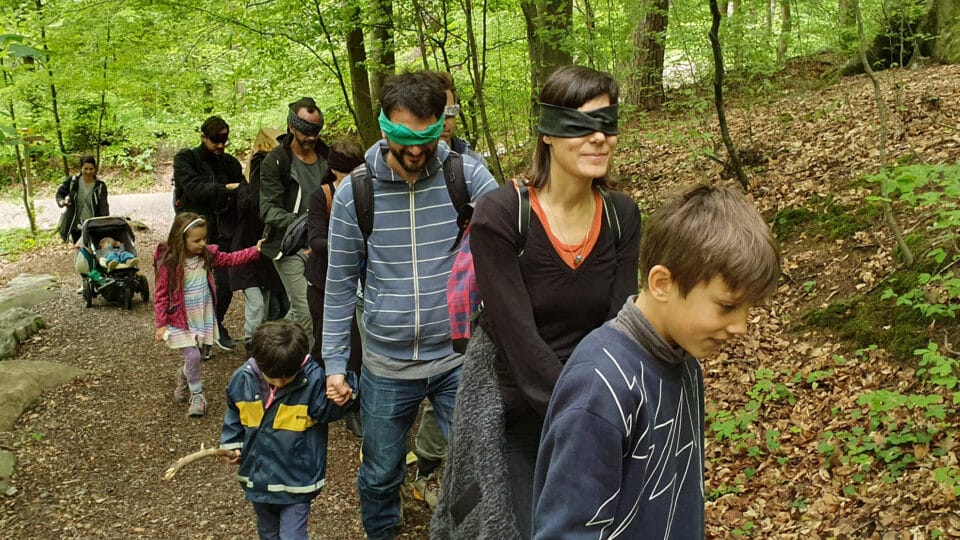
(190, 458)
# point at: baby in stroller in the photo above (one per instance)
(113, 255)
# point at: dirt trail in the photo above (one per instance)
(91, 453)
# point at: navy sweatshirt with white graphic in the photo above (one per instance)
(621, 455)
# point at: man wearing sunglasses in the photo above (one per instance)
(289, 176)
(205, 181)
(450, 113)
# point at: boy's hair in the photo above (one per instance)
(707, 232)
(279, 347)
(420, 92)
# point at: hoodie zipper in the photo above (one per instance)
(416, 277)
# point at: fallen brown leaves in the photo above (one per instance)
(818, 144)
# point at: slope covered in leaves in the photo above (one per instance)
(800, 440)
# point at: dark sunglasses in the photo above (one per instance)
(219, 138)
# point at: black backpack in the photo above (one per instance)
(456, 187)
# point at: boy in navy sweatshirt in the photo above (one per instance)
(621, 454)
(276, 421)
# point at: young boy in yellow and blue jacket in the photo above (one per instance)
(276, 421)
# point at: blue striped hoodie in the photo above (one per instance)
(408, 262)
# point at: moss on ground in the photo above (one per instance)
(827, 217)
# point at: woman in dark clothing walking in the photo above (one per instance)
(82, 196)
(575, 271)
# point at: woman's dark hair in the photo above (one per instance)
(421, 92)
(279, 347)
(88, 159)
(571, 87)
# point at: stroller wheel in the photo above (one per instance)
(87, 291)
(128, 297)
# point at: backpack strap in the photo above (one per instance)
(459, 194)
(523, 213)
(610, 212)
(363, 200)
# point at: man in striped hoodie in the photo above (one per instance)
(407, 257)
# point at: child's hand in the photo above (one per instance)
(259, 243)
(338, 391)
(232, 459)
(161, 333)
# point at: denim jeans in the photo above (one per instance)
(522, 439)
(388, 408)
(282, 521)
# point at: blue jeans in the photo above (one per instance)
(388, 408)
(282, 521)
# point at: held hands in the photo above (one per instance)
(259, 244)
(338, 391)
(231, 186)
(161, 333)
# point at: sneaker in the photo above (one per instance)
(353, 423)
(133, 263)
(224, 342)
(206, 351)
(112, 265)
(181, 392)
(198, 405)
(427, 489)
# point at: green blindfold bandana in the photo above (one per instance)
(401, 134)
(564, 122)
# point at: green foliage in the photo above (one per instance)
(15, 242)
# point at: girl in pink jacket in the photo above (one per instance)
(184, 299)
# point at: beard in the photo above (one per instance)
(304, 142)
(402, 155)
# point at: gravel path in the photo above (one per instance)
(154, 209)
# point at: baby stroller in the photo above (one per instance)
(116, 285)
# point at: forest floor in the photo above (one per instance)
(91, 453)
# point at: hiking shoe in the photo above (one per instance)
(427, 489)
(198, 405)
(206, 351)
(181, 392)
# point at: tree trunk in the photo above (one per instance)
(548, 23)
(786, 26)
(649, 46)
(943, 21)
(718, 94)
(910, 35)
(847, 22)
(53, 90)
(365, 116)
(477, 76)
(103, 99)
(382, 46)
